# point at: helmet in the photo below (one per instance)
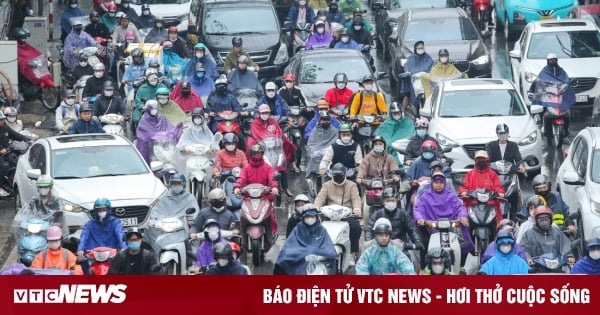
(336, 27)
(345, 128)
(443, 51)
(22, 33)
(256, 149)
(438, 175)
(151, 104)
(321, 12)
(221, 80)
(223, 249)
(137, 52)
(2, 116)
(102, 203)
(429, 146)
(506, 224)
(153, 63)
(289, 77)
(230, 138)
(502, 128)
(83, 57)
(434, 163)
(158, 19)
(10, 111)
(111, 7)
(270, 86)
(505, 237)
(338, 168)
(200, 46)
(319, 23)
(199, 67)
(340, 77)
(178, 178)
(133, 230)
(264, 108)
(395, 108)
(85, 107)
(108, 85)
(536, 201)
(44, 181)
(367, 77)
(243, 59)
(94, 14)
(540, 180)
(542, 210)
(302, 197)
(216, 194)
(324, 116)
(344, 32)
(593, 243)
(197, 111)
(54, 233)
(210, 222)
(76, 22)
(357, 20)
(185, 85)
(551, 56)
(382, 225)
(421, 122)
(99, 67)
(145, 6)
(357, 11)
(437, 254)
(378, 138)
(162, 91)
(389, 192)
(122, 15)
(310, 209)
(236, 41)
(69, 93)
(482, 154)
(236, 248)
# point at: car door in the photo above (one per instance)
(571, 164)
(520, 45)
(36, 158)
(579, 194)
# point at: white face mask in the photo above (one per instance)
(595, 254)
(163, 100)
(44, 191)
(74, 5)
(222, 262)
(54, 244)
(302, 2)
(177, 189)
(299, 209)
(70, 101)
(437, 269)
(391, 206)
(11, 119)
(420, 51)
(505, 249)
(264, 116)
(340, 86)
(310, 221)
(153, 112)
(368, 87)
(108, 93)
(98, 75)
(289, 85)
(83, 63)
(213, 236)
(270, 94)
(396, 116)
(357, 27)
(102, 215)
(219, 209)
(346, 140)
(199, 55)
(443, 59)
(146, 12)
(159, 25)
(230, 147)
(345, 39)
(198, 121)
(503, 137)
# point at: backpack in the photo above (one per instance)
(64, 110)
(361, 101)
(65, 253)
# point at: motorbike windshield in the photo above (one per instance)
(51, 213)
(274, 151)
(40, 68)
(318, 141)
(247, 97)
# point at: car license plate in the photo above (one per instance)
(547, 18)
(129, 222)
(581, 98)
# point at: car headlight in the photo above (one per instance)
(595, 208)
(531, 138)
(481, 60)
(282, 55)
(530, 77)
(445, 141)
(72, 207)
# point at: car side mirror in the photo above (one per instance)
(536, 109)
(572, 178)
(34, 174)
(156, 166)
(516, 54)
(192, 29)
(381, 74)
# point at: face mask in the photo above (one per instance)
(98, 75)
(125, 5)
(357, 27)
(146, 12)
(153, 112)
(230, 147)
(83, 64)
(222, 90)
(339, 179)
(443, 59)
(340, 86)
(199, 55)
(162, 100)
(70, 101)
(368, 87)
(74, 5)
(54, 244)
(345, 39)
(198, 121)
(270, 94)
(264, 116)
(481, 164)
(437, 269)
(222, 262)
(108, 93)
(551, 64)
(378, 149)
(199, 75)
(44, 191)
(302, 3)
(213, 236)
(310, 221)
(333, 10)
(185, 93)
(545, 225)
(325, 125)
(421, 133)
(346, 140)
(505, 249)
(595, 254)
(159, 25)
(390, 206)
(289, 85)
(102, 215)
(112, 14)
(420, 51)
(177, 189)
(299, 209)
(134, 245)
(320, 30)
(428, 155)
(11, 119)
(396, 116)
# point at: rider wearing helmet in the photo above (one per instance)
(402, 223)
(221, 100)
(230, 156)
(542, 187)
(279, 107)
(296, 217)
(109, 102)
(322, 107)
(345, 151)
(340, 191)
(346, 41)
(95, 28)
(158, 32)
(321, 138)
(184, 96)
(368, 102)
(442, 69)
(85, 123)
(146, 19)
(135, 70)
(120, 32)
(93, 85)
(528, 222)
(11, 119)
(358, 31)
(503, 149)
(76, 41)
(179, 44)
(126, 8)
(334, 15)
(336, 32)
(377, 163)
(339, 94)
(413, 149)
(55, 256)
(395, 127)
(506, 261)
(70, 13)
(147, 91)
(226, 263)
(110, 17)
(419, 61)
(217, 210)
(320, 38)
(81, 69)
(420, 168)
(212, 236)
(505, 226)
(590, 264)
(103, 229)
(291, 93)
(381, 258)
(545, 238)
(295, 17)
(168, 108)
(242, 79)
(232, 58)
(200, 55)
(144, 260)
(437, 262)
(67, 113)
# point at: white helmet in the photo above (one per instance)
(99, 66)
(270, 86)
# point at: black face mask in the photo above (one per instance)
(339, 178)
(333, 10)
(552, 64)
(77, 29)
(481, 164)
(185, 93)
(222, 90)
(325, 125)
(543, 193)
(217, 203)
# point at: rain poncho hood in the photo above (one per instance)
(318, 141)
(204, 256)
(418, 63)
(197, 135)
(392, 130)
(207, 62)
(546, 85)
(587, 266)
(187, 104)
(261, 130)
(170, 57)
(377, 260)
(505, 264)
(49, 210)
(107, 232)
(204, 86)
(303, 241)
(154, 127)
(173, 113)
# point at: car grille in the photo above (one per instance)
(583, 84)
(472, 148)
(139, 212)
(461, 65)
(258, 57)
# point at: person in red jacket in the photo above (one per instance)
(259, 172)
(230, 156)
(482, 177)
(340, 94)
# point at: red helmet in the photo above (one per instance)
(111, 7)
(542, 210)
(101, 40)
(235, 247)
(289, 77)
(429, 146)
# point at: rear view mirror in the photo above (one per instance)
(536, 109)
(515, 54)
(572, 178)
(156, 166)
(34, 174)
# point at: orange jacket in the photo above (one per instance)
(226, 161)
(55, 260)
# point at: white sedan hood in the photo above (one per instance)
(476, 130)
(575, 67)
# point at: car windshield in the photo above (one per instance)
(414, 4)
(481, 103)
(576, 44)
(139, 2)
(324, 69)
(443, 29)
(596, 166)
(240, 21)
(97, 161)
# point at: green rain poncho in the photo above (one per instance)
(392, 130)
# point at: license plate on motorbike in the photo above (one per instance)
(129, 222)
(559, 121)
(581, 98)
(547, 18)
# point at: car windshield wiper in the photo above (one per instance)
(108, 174)
(251, 32)
(563, 48)
(451, 116)
(218, 33)
(67, 177)
(486, 115)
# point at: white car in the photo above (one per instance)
(87, 167)
(174, 12)
(576, 42)
(464, 113)
(578, 180)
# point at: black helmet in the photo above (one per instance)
(210, 222)
(540, 180)
(256, 149)
(223, 249)
(324, 115)
(197, 111)
(389, 192)
(378, 138)
(443, 51)
(340, 77)
(382, 228)
(502, 128)
(85, 107)
(108, 85)
(395, 108)
(94, 14)
(133, 230)
(230, 138)
(83, 57)
(367, 77)
(22, 33)
(437, 254)
(357, 20)
(145, 6)
(186, 85)
(321, 12)
(338, 168)
(236, 41)
(536, 201)
(344, 32)
(433, 164)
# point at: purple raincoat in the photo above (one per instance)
(204, 256)
(317, 41)
(433, 206)
(148, 128)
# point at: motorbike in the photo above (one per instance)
(275, 157)
(247, 98)
(507, 173)
(481, 13)
(372, 199)
(366, 52)
(315, 180)
(35, 79)
(339, 232)
(556, 131)
(234, 203)
(300, 35)
(33, 239)
(15, 150)
(417, 86)
(550, 263)
(366, 130)
(228, 123)
(295, 130)
(482, 219)
(256, 221)
(340, 112)
(446, 237)
(99, 259)
(113, 125)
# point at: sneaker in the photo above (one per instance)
(3, 193)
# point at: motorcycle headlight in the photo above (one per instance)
(376, 184)
(481, 60)
(295, 111)
(282, 55)
(483, 198)
(34, 228)
(369, 119)
(72, 207)
(446, 142)
(531, 138)
(101, 255)
(530, 77)
(551, 263)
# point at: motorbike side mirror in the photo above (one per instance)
(575, 215)
(521, 217)
(287, 26)
(81, 260)
(277, 176)
(190, 211)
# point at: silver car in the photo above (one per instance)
(87, 167)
